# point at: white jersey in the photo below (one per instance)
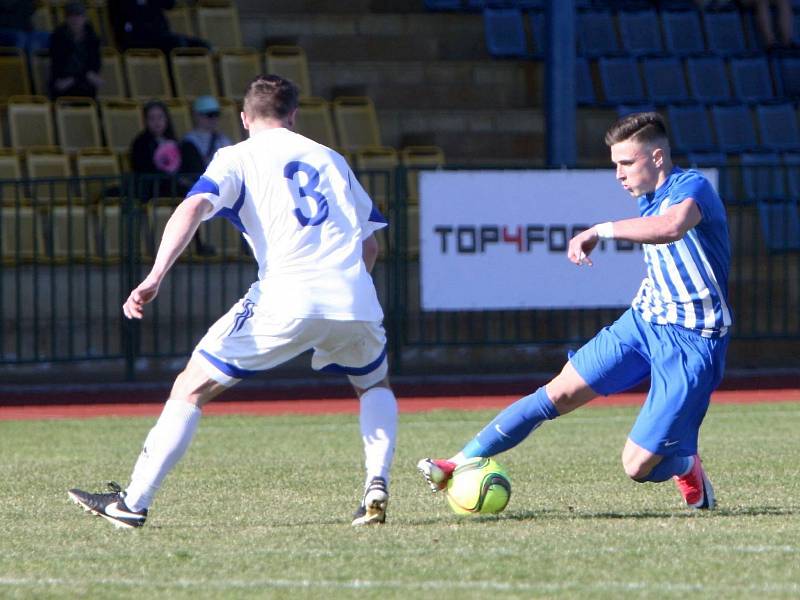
(304, 215)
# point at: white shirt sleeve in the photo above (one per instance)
(369, 217)
(222, 184)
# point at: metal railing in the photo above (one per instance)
(71, 250)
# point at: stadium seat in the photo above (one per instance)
(13, 74)
(788, 75)
(778, 126)
(640, 32)
(537, 24)
(708, 79)
(230, 120)
(289, 62)
(665, 80)
(180, 20)
(10, 169)
(584, 85)
(314, 121)
(52, 168)
(735, 129)
(762, 176)
(218, 24)
(357, 122)
(627, 109)
(70, 233)
(597, 34)
(504, 30)
(683, 32)
(40, 72)
(376, 167)
(791, 164)
(99, 171)
(751, 79)
(42, 18)
(30, 122)
(122, 121)
(690, 129)
(620, 80)
(443, 4)
(113, 75)
(225, 238)
(238, 66)
(146, 70)
(181, 115)
(724, 33)
(193, 73)
(109, 233)
(77, 123)
(416, 159)
(726, 176)
(780, 225)
(21, 238)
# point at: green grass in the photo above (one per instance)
(260, 508)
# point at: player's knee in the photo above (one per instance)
(636, 469)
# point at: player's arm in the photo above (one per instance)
(659, 229)
(369, 252)
(178, 232)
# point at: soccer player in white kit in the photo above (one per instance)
(310, 226)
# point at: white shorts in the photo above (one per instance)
(245, 341)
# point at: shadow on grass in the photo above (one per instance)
(748, 511)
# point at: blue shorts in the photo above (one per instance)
(684, 369)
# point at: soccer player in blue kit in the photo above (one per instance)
(675, 332)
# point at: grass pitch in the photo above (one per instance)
(260, 508)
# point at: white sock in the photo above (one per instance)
(165, 445)
(378, 419)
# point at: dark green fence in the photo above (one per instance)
(71, 250)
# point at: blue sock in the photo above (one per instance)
(667, 468)
(512, 425)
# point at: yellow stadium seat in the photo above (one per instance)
(30, 122)
(108, 232)
(238, 66)
(224, 237)
(42, 19)
(146, 70)
(10, 169)
(180, 20)
(376, 171)
(416, 159)
(218, 24)
(193, 73)
(122, 121)
(21, 238)
(99, 171)
(40, 69)
(71, 233)
(77, 123)
(113, 75)
(52, 168)
(230, 121)
(13, 73)
(356, 121)
(181, 116)
(314, 121)
(291, 63)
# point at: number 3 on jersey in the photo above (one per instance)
(309, 190)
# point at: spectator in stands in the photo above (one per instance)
(202, 142)
(156, 158)
(143, 24)
(766, 29)
(16, 26)
(75, 55)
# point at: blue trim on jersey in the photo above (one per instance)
(232, 214)
(376, 217)
(335, 368)
(204, 185)
(242, 316)
(228, 369)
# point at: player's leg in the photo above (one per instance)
(164, 446)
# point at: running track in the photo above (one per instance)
(414, 403)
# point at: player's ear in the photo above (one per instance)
(658, 157)
(291, 118)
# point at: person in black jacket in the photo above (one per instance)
(75, 61)
(143, 24)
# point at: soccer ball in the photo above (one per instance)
(478, 486)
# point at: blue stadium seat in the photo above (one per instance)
(690, 129)
(627, 109)
(443, 4)
(751, 79)
(724, 33)
(505, 32)
(620, 80)
(735, 129)
(762, 176)
(788, 75)
(597, 34)
(584, 88)
(536, 20)
(664, 79)
(791, 163)
(683, 33)
(718, 161)
(777, 124)
(708, 79)
(780, 224)
(640, 32)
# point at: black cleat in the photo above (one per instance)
(373, 506)
(111, 506)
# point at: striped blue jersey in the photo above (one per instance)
(687, 280)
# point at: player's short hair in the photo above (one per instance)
(644, 127)
(270, 97)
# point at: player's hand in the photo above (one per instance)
(581, 246)
(143, 294)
